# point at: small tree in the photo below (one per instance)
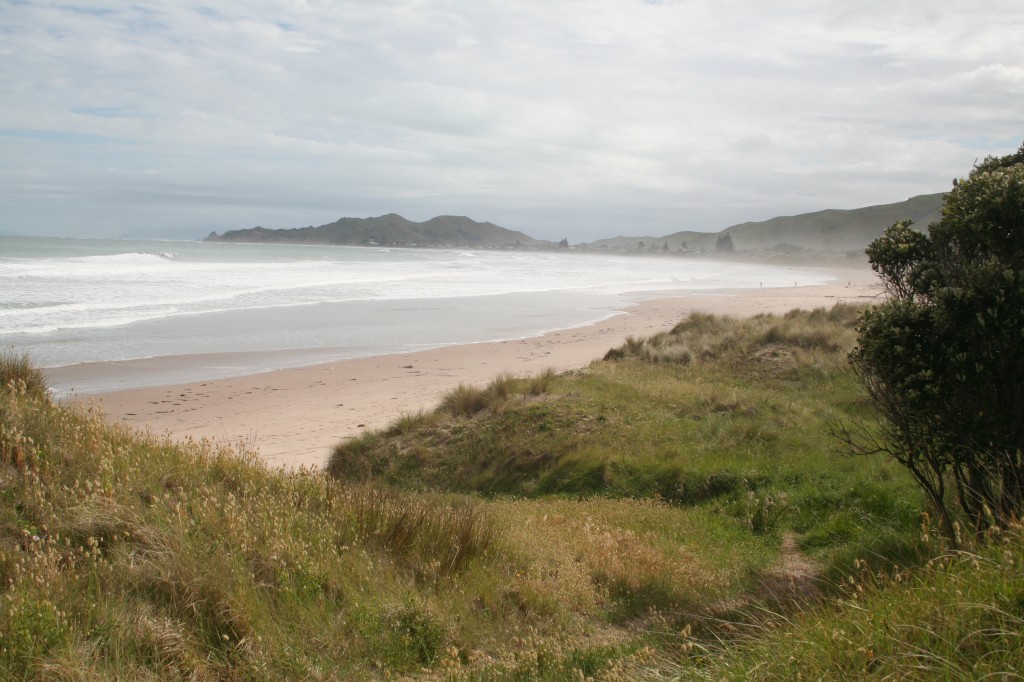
(943, 357)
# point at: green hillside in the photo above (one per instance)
(390, 230)
(833, 229)
(828, 230)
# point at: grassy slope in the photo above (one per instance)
(632, 516)
(724, 418)
(828, 230)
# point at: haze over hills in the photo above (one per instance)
(828, 230)
(831, 230)
(391, 230)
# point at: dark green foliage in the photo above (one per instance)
(391, 229)
(724, 244)
(942, 357)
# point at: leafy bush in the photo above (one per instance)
(941, 358)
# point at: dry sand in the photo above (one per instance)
(294, 416)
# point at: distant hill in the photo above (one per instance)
(391, 230)
(829, 230)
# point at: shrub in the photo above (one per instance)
(941, 359)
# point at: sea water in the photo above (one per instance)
(243, 308)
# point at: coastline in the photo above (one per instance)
(293, 417)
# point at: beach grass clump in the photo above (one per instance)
(540, 384)
(421, 530)
(463, 401)
(469, 401)
(17, 370)
(704, 337)
(350, 460)
(409, 422)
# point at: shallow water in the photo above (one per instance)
(70, 301)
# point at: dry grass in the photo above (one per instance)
(705, 337)
(19, 372)
(124, 556)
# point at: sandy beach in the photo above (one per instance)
(294, 416)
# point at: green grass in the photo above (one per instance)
(959, 617)
(736, 423)
(635, 520)
(123, 555)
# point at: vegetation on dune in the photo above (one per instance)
(19, 369)
(126, 556)
(959, 617)
(728, 417)
(677, 511)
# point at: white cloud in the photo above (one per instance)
(583, 117)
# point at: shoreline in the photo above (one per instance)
(293, 417)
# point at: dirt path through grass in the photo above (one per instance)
(796, 576)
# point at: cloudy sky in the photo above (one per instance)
(577, 118)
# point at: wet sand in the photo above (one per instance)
(294, 416)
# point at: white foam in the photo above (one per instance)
(62, 299)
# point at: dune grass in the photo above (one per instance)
(18, 368)
(126, 556)
(739, 427)
(958, 617)
(647, 518)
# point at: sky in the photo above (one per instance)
(560, 118)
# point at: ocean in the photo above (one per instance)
(243, 308)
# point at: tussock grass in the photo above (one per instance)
(463, 401)
(636, 520)
(407, 423)
(742, 430)
(422, 531)
(125, 556)
(704, 337)
(541, 383)
(17, 368)
(467, 401)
